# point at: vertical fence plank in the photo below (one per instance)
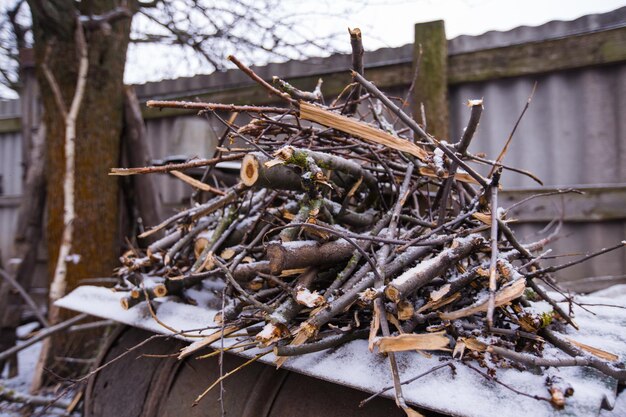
(431, 88)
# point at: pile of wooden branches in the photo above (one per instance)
(350, 221)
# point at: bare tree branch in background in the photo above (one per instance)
(203, 32)
(14, 35)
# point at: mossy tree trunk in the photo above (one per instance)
(98, 130)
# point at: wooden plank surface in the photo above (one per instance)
(13, 124)
(431, 87)
(591, 49)
(598, 203)
(10, 201)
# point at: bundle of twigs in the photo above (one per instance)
(350, 221)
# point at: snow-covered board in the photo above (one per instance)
(464, 394)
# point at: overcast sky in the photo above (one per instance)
(394, 23)
(390, 23)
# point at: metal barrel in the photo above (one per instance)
(146, 383)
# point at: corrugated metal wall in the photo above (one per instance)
(573, 132)
(188, 136)
(11, 163)
(10, 179)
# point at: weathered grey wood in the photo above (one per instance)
(10, 201)
(431, 87)
(11, 124)
(597, 204)
(591, 49)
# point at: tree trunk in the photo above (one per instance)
(98, 130)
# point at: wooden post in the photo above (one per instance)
(431, 87)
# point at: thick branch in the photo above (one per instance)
(426, 271)
(303, 254)
(255, 173)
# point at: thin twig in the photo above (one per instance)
(407, 381)
(41, 335)
(176, 167)
(248, 71)
(508, 141)
(576, 262)
(194, 105)
(510, 388)
(221, 378)
(243, 293)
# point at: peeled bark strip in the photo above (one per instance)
(506, 294)
(362, 130)
(59, 282)
(303, 254)
(404, 342)
(426, 271)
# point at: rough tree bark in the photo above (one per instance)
(98, 131)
